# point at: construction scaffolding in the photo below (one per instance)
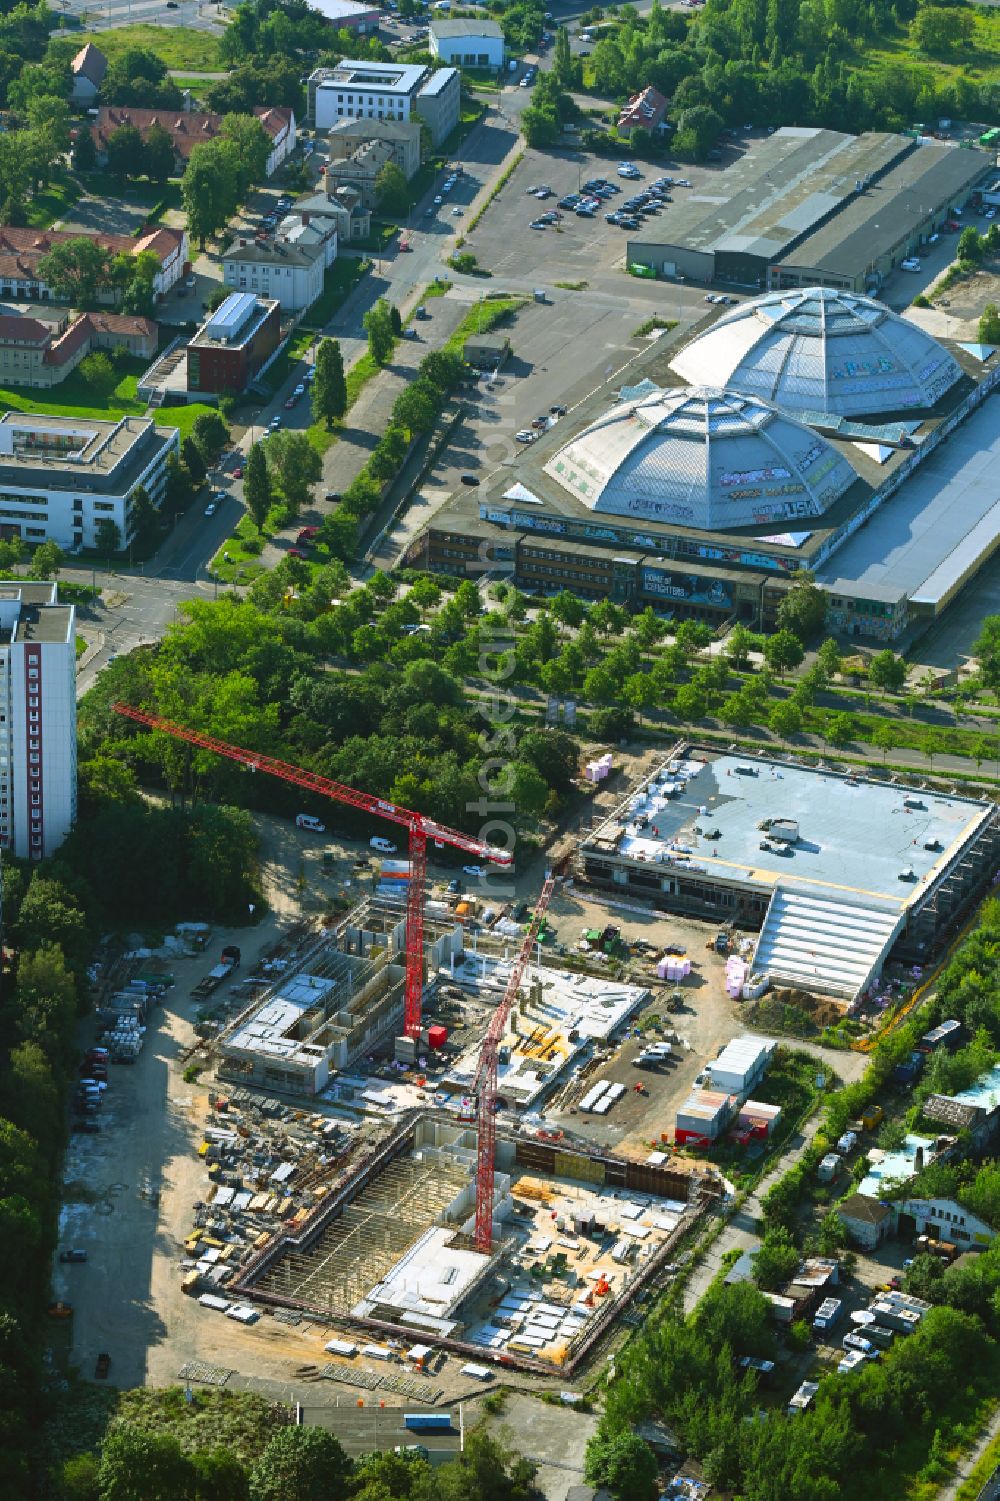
(360, 1247)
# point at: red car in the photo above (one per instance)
(238, 472)
(308, 534)
(294, 552)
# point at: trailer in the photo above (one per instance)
(427, 1422)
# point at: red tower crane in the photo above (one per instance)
(485, 1087)
(419, 829)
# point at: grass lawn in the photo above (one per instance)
(53, 202)
(981, 61)
(179, 46)
(75, 398)
(482, 318)
(235, 563)
(140, 194)
(342, 277)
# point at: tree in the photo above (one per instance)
(209, 188)
(803, 609)
(563, 68)
(739, 644)
(885, 738)
(392, 191)
(329, 387)
(621, 1461)
(144, 519)
(253, 148)
(46, 561)
(986, 650)
(697, 131)
(828, 657)
(300, 1464)
(416, 407)
(138, 78)
(785, 719)
(840, 729)
(126, 153)
(776, 1260)
(378, 325)
(887, 671)
(970, 242)
(943, 30)
(99, 373)
(75, 271)
(783, 650)
(84, 151)
(107, 537)
(211, 433)
(219, 1476)
(139, 1466)
(294, 465)
(257, 485)
(989, 323)
(191, 454)
(158, 156)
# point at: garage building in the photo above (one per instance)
(812, 207)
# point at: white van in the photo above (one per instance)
(307, 821)
(384, 846)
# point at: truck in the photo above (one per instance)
(827, 1314)
(927, 1245)
(908, 1072)
(427, 1422)
(228, 962)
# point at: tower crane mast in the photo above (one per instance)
(485, 1086)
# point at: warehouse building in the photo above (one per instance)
(812, 207)
(818, 431)
(836, 870)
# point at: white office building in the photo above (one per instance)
(473, 43)
(60, 477)
(37, 719)
(386, 91)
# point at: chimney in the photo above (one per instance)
(305, 218)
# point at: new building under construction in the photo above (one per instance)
(389, 1250)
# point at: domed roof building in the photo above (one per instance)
(702, 457)
(821, 350)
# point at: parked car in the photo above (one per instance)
(477, 871)
(275, 423)
(308, 534)
(211, 508)
(72, 1256)
(308, 821)
(238, 472)
(524, 436)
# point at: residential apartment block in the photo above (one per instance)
(37, 719)
(386, 91)
(61, 476)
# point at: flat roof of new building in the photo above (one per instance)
(477, 26)
(271, 1030)
(856, 836)
(388, 78)
(432, 1277)
(774, 193)
(235, 335)
(63, 452)
(923, 543)
(874, 222)
(440, 79)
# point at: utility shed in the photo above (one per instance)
(866, 1221)
(486, 351)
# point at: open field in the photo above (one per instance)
(178, 46)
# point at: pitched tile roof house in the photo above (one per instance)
(188, 129)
